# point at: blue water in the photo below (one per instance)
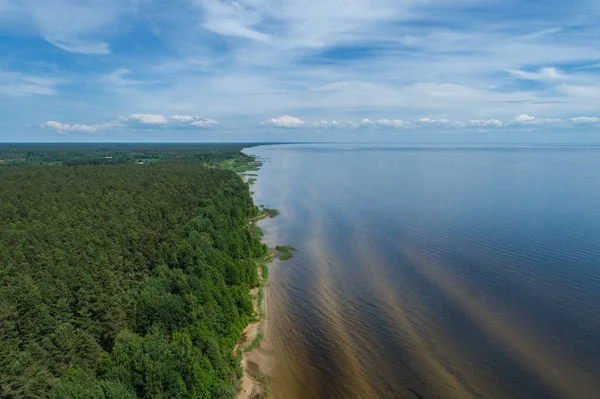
(433, 272)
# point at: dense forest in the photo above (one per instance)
(114, 153)
(124, 281)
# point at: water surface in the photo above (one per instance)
(434, 272)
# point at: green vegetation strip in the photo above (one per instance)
(256, 342)
(271, 212)
(257, 231)
(264, 272)
(286, 251)
(264, 380)
(261, 303)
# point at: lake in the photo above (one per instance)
(428, 271)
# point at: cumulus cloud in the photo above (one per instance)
(387, 123)
(532, 120)
(284, 121)
(147, 119)
(524, 118)
(485, 123)
(438, 122)
(195, 121)
(348, 124)
(393, 123)
(66, 128)
(204, 122)
(429, 123)
(585, 119)
(326, 124)
(137, 121)
(183, 118)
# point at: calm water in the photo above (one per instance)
(427, 272)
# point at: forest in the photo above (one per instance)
(123, 280)
(73, 154)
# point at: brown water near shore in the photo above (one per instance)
(432, 273)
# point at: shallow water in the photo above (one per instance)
(434, 272)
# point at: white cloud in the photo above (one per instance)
(438, 122)
(297, 23)
(135, 120)
(72, 25)
(333, 124)
(66, 128)
(549, 73)
(195, 121)
(532, 120)
(524, 118)
(378, 58)
(175, 120)
(204, 123)
(485, 123)
(25, 89)
(147, 119)
(231, 19)
(425, 123)
(78, 46)
(582, 92)
(17, 84)
(119, 79)
(393, 123)
(585, 119)
(284, 121)
(183, 118)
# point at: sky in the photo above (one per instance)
(300, 70)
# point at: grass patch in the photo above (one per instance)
(257, 231)
(260, 303)
(257, 340)
(264, 271)
(261, 378)
(240, 165)
(254, 166)
(286, 251)
(272, 212)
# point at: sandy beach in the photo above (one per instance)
(256, 362)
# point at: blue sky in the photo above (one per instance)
(294, 70)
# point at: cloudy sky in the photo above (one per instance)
(293, 70)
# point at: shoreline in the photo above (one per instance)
(254, 382)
